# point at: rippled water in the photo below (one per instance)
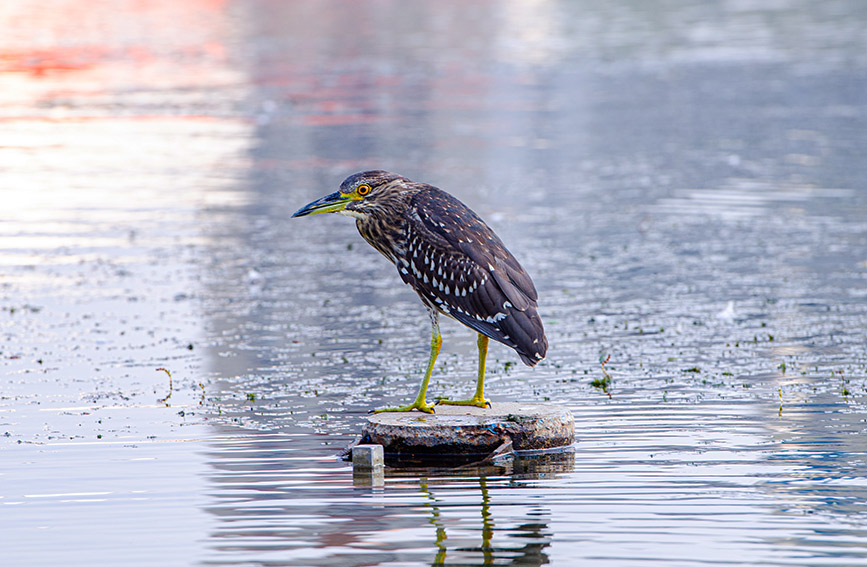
(685, 182)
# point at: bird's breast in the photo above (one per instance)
(386, 239)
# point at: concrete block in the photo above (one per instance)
(367, 456)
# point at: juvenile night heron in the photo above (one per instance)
(451, 258)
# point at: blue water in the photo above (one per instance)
(685, 183)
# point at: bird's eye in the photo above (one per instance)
(363, 189)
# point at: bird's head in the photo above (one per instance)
(359, 195)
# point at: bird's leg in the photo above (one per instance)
(436, 341)
(478, 399)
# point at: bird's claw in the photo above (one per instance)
(420, 406)
(475, 402)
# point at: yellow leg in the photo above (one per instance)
(478, 399)
(420, 403)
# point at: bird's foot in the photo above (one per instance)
(421, 406)
(474, 401)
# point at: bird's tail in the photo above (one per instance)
(520, 330)
(531, 344)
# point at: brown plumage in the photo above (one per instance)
(447, 254)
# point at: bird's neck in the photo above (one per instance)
(383, 228)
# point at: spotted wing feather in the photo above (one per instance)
(457, 264)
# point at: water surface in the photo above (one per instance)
(684, 181)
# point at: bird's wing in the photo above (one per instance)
(456, 263)
(465, 231)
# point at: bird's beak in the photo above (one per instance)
(328, 204)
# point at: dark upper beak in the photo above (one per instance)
(328, 204)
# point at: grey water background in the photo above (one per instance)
(685, 181)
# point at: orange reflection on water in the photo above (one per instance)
(82, 57)
(115, 115)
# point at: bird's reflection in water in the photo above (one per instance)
(274, 504)
(516, 473)
(436, 522)
(529, 554)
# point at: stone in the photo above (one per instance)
(463, 434)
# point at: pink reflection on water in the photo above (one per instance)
(68, 58)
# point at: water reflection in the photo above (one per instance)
(826, 485)
(685, 473)
(276, 502)
(531, 554)
(108, 151)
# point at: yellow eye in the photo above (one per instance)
(363, 189)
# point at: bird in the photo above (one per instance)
(454, 262)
